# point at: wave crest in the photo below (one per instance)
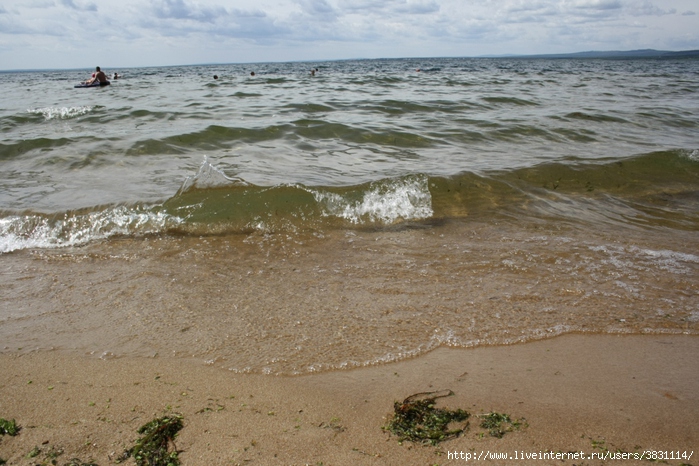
(208, 177)
(63, 113)
(75, 229)
(386, 201)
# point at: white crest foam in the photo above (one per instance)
(53, 113)
(38, 231)
(387, 202)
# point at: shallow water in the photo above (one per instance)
(286, 223)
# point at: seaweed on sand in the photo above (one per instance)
(153, 448)
(8, 427)
(78, 462)
(418, 420)
(498, 424)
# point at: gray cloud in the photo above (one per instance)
(647, 8)
(179, 18)
(181, 10)
(596, 10)
(417, 8)
(393, 7)
(319, 10)
(71, 4)
(253, 25)
(599, 5)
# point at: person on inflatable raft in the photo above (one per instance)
(98, 76)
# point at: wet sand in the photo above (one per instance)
(289, 306)
(578, 393)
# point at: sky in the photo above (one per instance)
(67, 34)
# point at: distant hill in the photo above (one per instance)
(617, 54)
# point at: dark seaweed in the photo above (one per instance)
(498, 424)
(153, 448)
(418, 420)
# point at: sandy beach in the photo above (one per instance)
(580, 394)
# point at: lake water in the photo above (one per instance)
(285, 222)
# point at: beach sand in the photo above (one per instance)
(584, 393)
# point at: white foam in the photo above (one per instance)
(36, 231)
(629, 258)
(667, 255)
(51, 113)
(386, 202)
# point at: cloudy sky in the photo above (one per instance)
(37, 34)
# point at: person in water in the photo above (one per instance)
(98, 76)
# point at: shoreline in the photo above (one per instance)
(280, 305)
(587, 393)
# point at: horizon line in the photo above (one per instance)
(636, 53)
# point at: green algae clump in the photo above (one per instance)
(8, 427)
(417, 419)
(153, 448)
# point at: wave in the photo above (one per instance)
(63, 113)
(17, 149)
(42, 115)
(76, 228)
(384, 202)
(212, 203)
(656, 190)
(215, 137)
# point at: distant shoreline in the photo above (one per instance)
(615, 54)
(611, 55)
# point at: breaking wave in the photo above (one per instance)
(656, 190)
(63, 113)
(78, 228)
